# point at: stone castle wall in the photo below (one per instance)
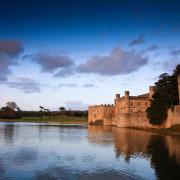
(135, 120)
(101, 113)
(130, 111)
(140, 120)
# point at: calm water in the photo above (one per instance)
(41, 151)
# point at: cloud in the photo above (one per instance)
(67, 85)
(28, 56)
(76, 105)
(152, 48)
(139, 40)
(89, 85)
(175, 52)
(118, 62)
(65, 72)
(50, 63)
(5, 62)
(60, 65)
(170, 64)
(26, 85)
(11, 48)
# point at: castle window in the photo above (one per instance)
(131, 103)
(145, 103)
(138, 103)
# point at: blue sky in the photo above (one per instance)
(79, 53)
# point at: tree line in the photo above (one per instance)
(12, 111)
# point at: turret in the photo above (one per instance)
(126, 94)
(127, 103)
(151, 91)
(117, 96)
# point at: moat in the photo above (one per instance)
(42, 151)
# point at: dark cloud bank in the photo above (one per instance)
(9, 53)
(26, 85)
(50, 63)
(59, 65)
(116, 63)
(9, 50)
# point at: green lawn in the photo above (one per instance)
(60, 119)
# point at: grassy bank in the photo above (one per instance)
(57, 119)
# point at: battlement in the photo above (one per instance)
(99, 112)
(125, 104)
(130, 111)
(102, 105)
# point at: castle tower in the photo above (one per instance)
(151, 91)
(179, 87)
(116, 100)
(117, 96)
(127, 103)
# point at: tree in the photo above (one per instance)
(18, 109)
(48, 113)
(41, 110)
(165, 97)
(12, 105)
(10, 111)
(6, 109)
(62, 109)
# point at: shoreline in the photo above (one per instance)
(50, 120)
(64, 120)
(173, 131)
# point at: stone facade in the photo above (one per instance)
(102, 113)
(130, 111)
(131, 104)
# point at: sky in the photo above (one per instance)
(76, 53)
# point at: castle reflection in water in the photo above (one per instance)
(163, 151)
(80, 152)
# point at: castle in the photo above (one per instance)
(130, 111)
